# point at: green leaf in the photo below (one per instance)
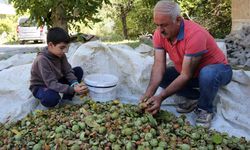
(152, 120)
(60, 13)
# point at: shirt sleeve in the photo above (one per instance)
(157, 41)
(196, 45)
(50, 79)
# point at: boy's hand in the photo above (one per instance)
(85, 88)
(81, 89)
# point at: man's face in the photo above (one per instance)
(58, 49)
(167, 26)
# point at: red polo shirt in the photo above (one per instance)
(192, 40)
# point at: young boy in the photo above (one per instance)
(51, 72)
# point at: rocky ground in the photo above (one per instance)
(238, 47)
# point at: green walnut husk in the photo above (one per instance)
(111, 125)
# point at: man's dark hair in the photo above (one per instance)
(57, 35)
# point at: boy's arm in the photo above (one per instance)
(50, 79)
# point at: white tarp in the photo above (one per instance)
(133, 70)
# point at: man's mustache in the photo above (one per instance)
(164, 33)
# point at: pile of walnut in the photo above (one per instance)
(111, 125)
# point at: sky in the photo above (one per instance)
(3, 1)
(6, 9)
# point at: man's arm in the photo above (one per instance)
(189, 66)
(158, 70)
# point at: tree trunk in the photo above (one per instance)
(124, 25)
(124, 10)
(58, 18)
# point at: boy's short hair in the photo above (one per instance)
(57, 35)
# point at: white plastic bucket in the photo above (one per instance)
(102, 87)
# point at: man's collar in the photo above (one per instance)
(180, 35)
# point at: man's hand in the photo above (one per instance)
(144, 98)
(143, 102)
(154, 104)
(81, 89)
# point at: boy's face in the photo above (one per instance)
(58, 49)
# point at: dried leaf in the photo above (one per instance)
(15, 131)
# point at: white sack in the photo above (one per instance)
(15, 97)
(16, 60)
(132, 68)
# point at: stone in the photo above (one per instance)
(247, 64)
(233, 61)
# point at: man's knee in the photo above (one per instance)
(50, 99)
(78, 71)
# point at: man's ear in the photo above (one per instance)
(178, 20)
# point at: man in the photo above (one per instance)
(198, 63)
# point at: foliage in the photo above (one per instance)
(131, 43)
(119, 10)
(4, 27)
(8, 25)
(141, 20)
(60, 12)
(138, 19)
(212, 14)
(82, 15)
(112, 37)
